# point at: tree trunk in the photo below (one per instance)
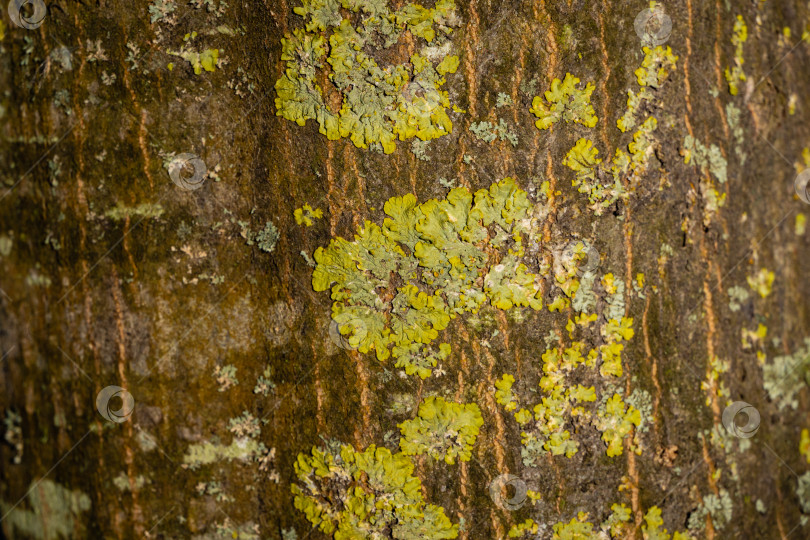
(149, 241)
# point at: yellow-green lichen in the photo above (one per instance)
(503, 393)
(443, 430)
(564, 101)
(121, 212)
(750, 337)
(583, 160)
(526, 529)
(619, 524)
(579, 528)
(369, 104)
(206, 59)
(800, 226)
(762, 282)
(545, 429)
(207, 452)
(714, 384)
(735, 74)
(559, 401)
(369, 494)
(654, 70)
(306, 215)
(607, 183)
(616, 421)
(400, 284)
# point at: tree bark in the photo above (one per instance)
(114, 275)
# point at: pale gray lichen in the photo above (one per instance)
(737, 296)
(122, 482)
(145, 441)
(529, 87)
(419, 149)
(640, 399)
(267, 238)
(225, 376)
(733, 115)
(36, 279)
(308, 259)
(710, 158)
(503, 100)
(803, 492)
(6, 244)
(264, 384)
(488, 132)
(616, 308)
(214, 489)
(787, 375)
(205, 453)
(245, 425)
(719, 507)
(54, 514)
(160, 9)
(14, 435)
(585, 299)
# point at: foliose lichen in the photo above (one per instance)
(735, 74)
(545, 426)
(604, 183)
(369, 494)
(395, 287)
(762, 282)
(718, 506)
(306, 215)
(564, 101)
(55, 512)
(616, 421)
(708, 158)
(787, 375)
(355, 97)
(489, 131)
(443, 430)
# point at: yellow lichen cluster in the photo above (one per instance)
(352, 494)
(400, 284)
(735, 74)
(377, 104)
(604, 184)
(544, 427)
(564, 101)
(306, 215)
(618, 525)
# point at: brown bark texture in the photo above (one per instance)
(114, 275)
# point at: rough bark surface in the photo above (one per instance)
(154, 298)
